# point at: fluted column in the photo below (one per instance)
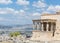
(34, 26)
(47, 27)
(37, 26)
(51, 26)
(42, 27)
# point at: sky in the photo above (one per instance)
(18, 12)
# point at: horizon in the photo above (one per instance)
(13, 12)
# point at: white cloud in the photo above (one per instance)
(5, 1)
(4, 19)
(16, 15)
(45, 12)
(6, 10)
(39, 4)
(57, 8)
(41, 0)
(22, 12)
(54, 8)
(36, 14)
(1, 19)
(51, 8)
(22, 2)
(11, 11)
(26, 8)
(2, 12)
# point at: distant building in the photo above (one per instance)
(47, 28)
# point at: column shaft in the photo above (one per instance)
(37, 26)
(51, 27)
(47, 27)
(42, 27)
(34, 26)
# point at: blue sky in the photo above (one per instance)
(13, 12)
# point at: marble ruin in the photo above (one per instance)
(47, 28)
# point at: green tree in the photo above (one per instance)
(12, 34)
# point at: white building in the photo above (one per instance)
(47, 28)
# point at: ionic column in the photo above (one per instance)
(42, 27)
(51, 26)
(34, 26)
(38, 26)
(47, 27)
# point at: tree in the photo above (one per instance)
(12, 34)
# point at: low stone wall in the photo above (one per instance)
(55, 41)
(42, 36)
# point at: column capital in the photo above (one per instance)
(37, 22)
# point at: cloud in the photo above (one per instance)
(4, 19)
(8, 21)
(11, 11)
(22, 2)
(53, 8)
(39, 4)
(36, 14)
(6, 10)
(45, 12)
(17, 16)
(1, 19)
(22, 12)
(5, 1)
